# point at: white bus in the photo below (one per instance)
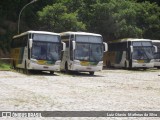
(84, 52)
(130, 53)
(157, 54)
(37, 50)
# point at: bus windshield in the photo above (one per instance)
(46, 51)
(157, 54)
(89, 51)
(46, 47)
(142, 50)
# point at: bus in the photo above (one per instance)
(130, 53)
(157, 54)
(37, 50)
(84, 52)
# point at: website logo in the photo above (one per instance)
(6, 114)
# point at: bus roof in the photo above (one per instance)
(79, 33)
(38, 32)
(130, 39)
(156, 41)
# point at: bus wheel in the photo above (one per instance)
(51, 72)
(144, 68)
(125, 65)
(130, 65)
(91, 73)
(109, 64)
(13, 65)
(66, 68)
(26, 71)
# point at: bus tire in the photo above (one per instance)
(130, 65)
(125, 65)
(26, 71)
(109, 64)
(144, 68)
(51, 72)
(91, 73)
(13, 65)
(66, 68)
(106, 64)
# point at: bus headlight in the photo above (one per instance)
(100, 63)
(134, 61)
(58, 63)
(77, 62)
(33, 61)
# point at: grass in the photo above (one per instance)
(4, 65)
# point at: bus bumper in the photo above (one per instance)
(157, 63)
(142, 65)
(35, 66)
(86, 68)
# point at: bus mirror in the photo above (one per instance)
(64, 46)
(155, 49)
(105, 46)
(131, 47)
(30, 43)
(74, 45)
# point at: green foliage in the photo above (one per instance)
(126, 20)
(4, 66)
(152, 1)
(148, 18)
(72, 5)
(115, 19)
(56, 18)
(112, 18)
(123, 18)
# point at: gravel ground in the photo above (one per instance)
(108, 90)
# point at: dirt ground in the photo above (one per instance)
(108, 90)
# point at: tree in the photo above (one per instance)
(116, 19)
(56, 18)
(112, 18)
(152, 1)
(148, 19)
